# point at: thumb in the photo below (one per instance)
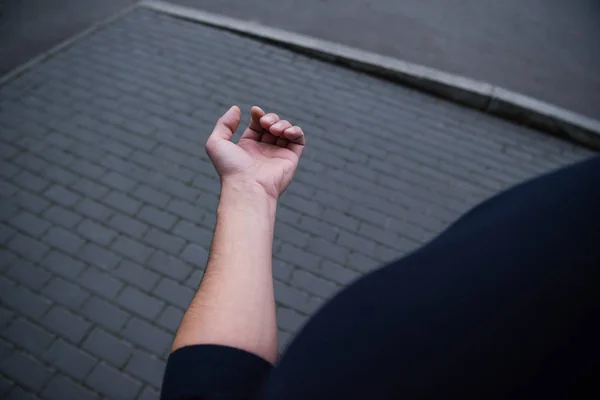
(227, 124)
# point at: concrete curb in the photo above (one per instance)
(475, 94)
(63, 45)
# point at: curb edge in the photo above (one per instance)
(479, 95)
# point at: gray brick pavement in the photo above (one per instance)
(108, 201)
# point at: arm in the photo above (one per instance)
(235, 304)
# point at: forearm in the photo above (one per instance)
(235, 304)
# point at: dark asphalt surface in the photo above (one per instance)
(547, 49)
(29, 27)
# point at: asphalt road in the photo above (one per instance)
(28, 27)
(547, 49)
(543, 48)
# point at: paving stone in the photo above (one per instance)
(99, 282)
(63, 240)
(31, 182)
(128, 225)
(27, 335)
(88, 169)
(170, 318)
(93, 209)
(282, 270)
(60, 175)
(28, 248)
(69, 359)
(174, 293)
(22, 300)
(30, 201)
(25, 370)
(149, 394)
(357, 243)
(362, 263)
(68, 294)
(96, 232)
(6, 316)
(147, 368)
(193, 233)
(291, 297)
(151, 196)
(18, 393)
(136, 275)
(5, 387)
(131, 249)
(33, 277)
(98, 256)
(326, 249)
(61, 195)
(185, 210)
(61, 388)
(298, 257)
(60, 216)
(291, 235)
(65, 324)
(289, 319)
(193, 281)
(156, 217)
(283, 339)
(104, 313)
(29, 224)
(169, 266)
(62, 264)
(313, 284)
(118, 181)
(107, 347)
(164, 241)
(7, 189)
(6, 233)
(112, 383)
(195, 255)
(337, 273)
(90, 188)
(122, 202)
(147, 336)
(139, 302)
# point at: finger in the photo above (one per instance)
(282, 142)
(256, 113)
(295, 135)
(268, 138)
(278, 127)
(296, 148)
(267, 120)
(227, 124)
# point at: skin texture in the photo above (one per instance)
(235, 304)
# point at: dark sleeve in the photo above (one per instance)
(213, 372)
(504, 304)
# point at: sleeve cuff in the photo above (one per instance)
(213, 371)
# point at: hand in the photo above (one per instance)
(266, 154)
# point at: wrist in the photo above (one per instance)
(246, 194)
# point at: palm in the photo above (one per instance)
(269, 156)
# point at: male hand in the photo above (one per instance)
(267, 153)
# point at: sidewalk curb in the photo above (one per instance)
(64, 44)
(482, 96)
